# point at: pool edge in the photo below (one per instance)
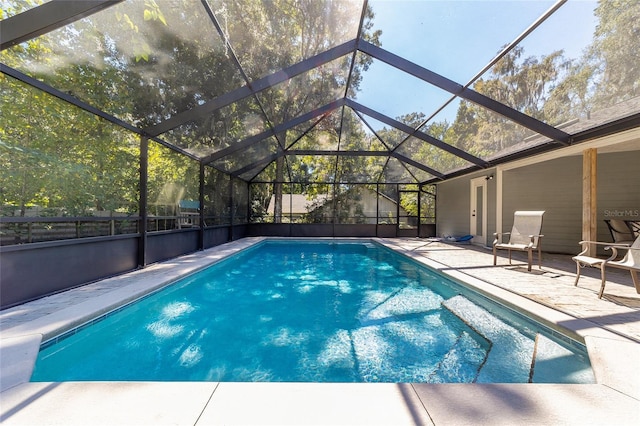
(603, 360)
(610, 367)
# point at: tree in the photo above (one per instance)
(524, 84)
(268, 36)
(61, 158)
(555, 89)
(615, 52)
(146, 62)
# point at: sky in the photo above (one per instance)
(457, 39)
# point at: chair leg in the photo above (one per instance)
(578, 272)
(539, 257)
(509, 256)
(604, 281)
(636, 280)
(495, 255)
(529, 259)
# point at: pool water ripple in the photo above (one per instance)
(311, 312)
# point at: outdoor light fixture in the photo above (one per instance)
(488, 177)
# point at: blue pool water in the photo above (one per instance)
(313, 312)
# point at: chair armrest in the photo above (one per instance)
(600, 243)
(614, 252)
(621, 246)
(533, 239)
(614, 247)
(627, 262)
(498, 236)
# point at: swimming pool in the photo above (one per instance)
(314, 312)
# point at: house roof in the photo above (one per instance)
(344, 90)
(296, 204)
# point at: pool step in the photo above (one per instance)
(460, 364)
(553, 363)
(507, 342)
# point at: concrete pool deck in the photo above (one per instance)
(610, 328)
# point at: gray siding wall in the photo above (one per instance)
(453, 206)
(491, 210)
(554, 186)
(618, 189)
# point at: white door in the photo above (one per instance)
(478, 223)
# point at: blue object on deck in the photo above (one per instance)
(465, 239)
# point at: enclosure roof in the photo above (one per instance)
(374, 91)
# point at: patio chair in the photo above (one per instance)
(524, 236)
(620, 230)
(630, 262)
(634, 225)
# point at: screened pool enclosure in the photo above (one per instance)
(135, 131)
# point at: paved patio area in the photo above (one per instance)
(553, 285)
(611, 327)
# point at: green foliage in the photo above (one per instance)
(61, 158)
(615, 52)
(147, 61)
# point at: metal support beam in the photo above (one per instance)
(420, 135)
(5, 69)
(464, 92)
(397, 209)
(377, 206)
(201, 189)
(336, 152)
(143, 203)
(65, 97)
(265, 161)
(230, 205)
(326, 109)
(418, 165)
(262, 162)
(277, 129)
(47, 17)
(419, 209)
(251, 89)
(313, 152)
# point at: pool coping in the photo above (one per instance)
(610, 354)
(19, 343)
